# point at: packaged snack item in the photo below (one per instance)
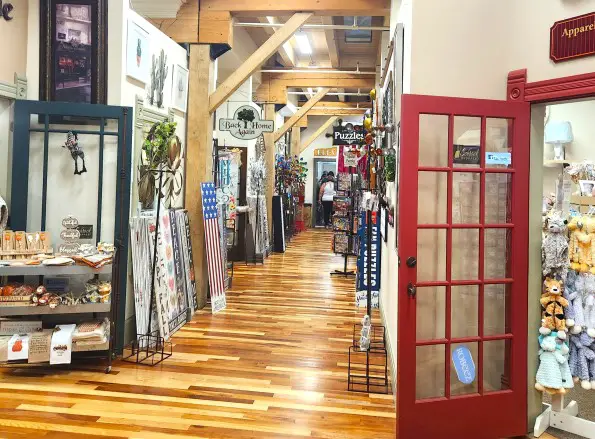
(20, 241)
(45, 241)
(30, 241)
(7, 242)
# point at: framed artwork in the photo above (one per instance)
(73, 58)
(138, 61)
(179, 91)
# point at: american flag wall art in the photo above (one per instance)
(215, 266)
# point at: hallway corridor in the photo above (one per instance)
(272, 365)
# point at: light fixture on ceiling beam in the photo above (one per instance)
(303, 43)
(318, 26)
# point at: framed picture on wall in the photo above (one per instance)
(73, 58)
(179, 91)
(138, 60)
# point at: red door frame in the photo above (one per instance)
(551, 90)
(494, 414)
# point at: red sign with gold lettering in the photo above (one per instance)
(573, 38)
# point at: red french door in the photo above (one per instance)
(463, 246)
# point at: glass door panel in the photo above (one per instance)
(457, 284)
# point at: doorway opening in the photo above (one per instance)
(321, 167)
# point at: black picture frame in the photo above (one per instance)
(73, 63)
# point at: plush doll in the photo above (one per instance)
(575, 296)
(553, 304)
(549, 374)
(575, 226)
(567, 381)
(583, 240)
(579, 362)
(554, 248)
(569, 294)
(589, 304)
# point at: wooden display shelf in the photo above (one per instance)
(555, 163)
(49, 270)
(29, 310)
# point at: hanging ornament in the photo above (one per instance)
(368, 124)
(379, 151)
(76, 152)
(373, 94)
(369, 139)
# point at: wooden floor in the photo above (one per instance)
(272, 365)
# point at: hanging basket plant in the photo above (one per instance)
(161, 149)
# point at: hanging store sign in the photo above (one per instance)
(246, 124)
(5, 10)
(325, 152)
(572, 38)
(462, 360)
(348, 134)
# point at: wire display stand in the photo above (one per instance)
(351, 230)
(150, 349)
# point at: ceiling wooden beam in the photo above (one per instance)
(183, 28)
(257, 59)
(320, 131)
(215, 28)
(273, 88)
(300, 113)
(285, 50)
(302, 123)
(341, 97)
(282, 7)
(330, 112)
(340, 105)
(331, 42)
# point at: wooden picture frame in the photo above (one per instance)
(73, 51)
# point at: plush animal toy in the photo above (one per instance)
(581, 239)
(573, 292)
(553, 305)
(549, 375)
(589, 304)
(579, 361)
(567, 380)
(574, 226)
(554, 248)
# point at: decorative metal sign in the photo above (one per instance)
(572, 38)
(348, 134)
(5, 10)
(70, 235)
(246, 124)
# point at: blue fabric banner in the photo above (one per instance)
(362, 261)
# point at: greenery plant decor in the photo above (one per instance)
(389, 167)
(161, 151)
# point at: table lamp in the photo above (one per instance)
(558, 133)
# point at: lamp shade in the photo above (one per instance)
(558, 132)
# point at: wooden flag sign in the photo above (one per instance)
(572, 38)
(215, 267)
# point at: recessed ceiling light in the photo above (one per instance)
(303, 43)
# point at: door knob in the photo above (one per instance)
(411, 290)
(411, 261)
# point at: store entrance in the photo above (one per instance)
(462, 314)
(321, 166)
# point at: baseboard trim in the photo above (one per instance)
(391, 358)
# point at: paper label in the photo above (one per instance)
(11, 327)
(39, 346)
(61, 345)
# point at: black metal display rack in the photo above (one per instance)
(345, 223)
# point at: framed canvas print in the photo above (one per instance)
(179, 92)
(138, 61)
(73, 57)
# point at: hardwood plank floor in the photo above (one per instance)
(272, 365)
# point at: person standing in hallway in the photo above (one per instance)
(326, 195)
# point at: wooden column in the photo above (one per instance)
(295, 141)
(269, 142)
(199, 159)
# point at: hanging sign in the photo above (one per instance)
(362, 262)
(465, 154)
(325, 152)
(572, 38)
(464, 365)
(5, 10)
(246, 124)
(348, 134)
